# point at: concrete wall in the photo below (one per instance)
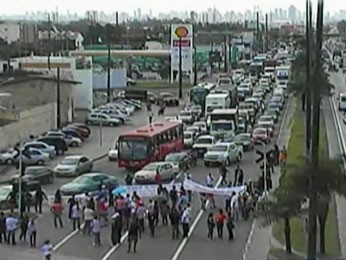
(35, 93)
(34, 121)
(83, 93)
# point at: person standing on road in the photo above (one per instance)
(11, 226)
(220, 221)
(2, 227)
(174, 217)
(71, 201)
(32, 232)
(76, 215)
(185, 221)
(88, 218)
(211, 226)
(96, 230)
(47, 250)
(57, 196)
(238, 172)
(173, 194)
(23, 228)
(57, 209)
(151, 116)
(223, 174)
(133, 234)
(116, 228)
(140, 216)
(40, 195)
(230, 226)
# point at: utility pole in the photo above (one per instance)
(266, 33)
(195, 66)
(49, 41)
(258, 29)
(316, 102)
(306, 98)
(180, 69)
(226, 56)
(108, 28)
(58, 110)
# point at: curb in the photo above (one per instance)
(100, 157)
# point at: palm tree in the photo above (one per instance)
(282, 204)
(329, 178)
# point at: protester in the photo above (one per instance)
(185, 221)
(32, 232)
(133, 234)
(71, 201)
(23, 228)
(47, 250)
(11, 226)
(211, 226)
(230, 226)
(238, 172)
(57, 210)
(174, 217)
(116, 229)
(96, 230)
(40, 195)
(220, 220)
(88, 215)
(3, 236)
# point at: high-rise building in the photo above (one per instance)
(292, 13)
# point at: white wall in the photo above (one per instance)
(10, 32)
(83, 93)
(33, 121)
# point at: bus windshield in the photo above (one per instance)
(222, 126)
(133, 148)
(198, 95)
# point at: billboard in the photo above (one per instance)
(182, 34)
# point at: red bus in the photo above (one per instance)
(149, 143)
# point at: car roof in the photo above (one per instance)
(74, 156)
(243, 134)
(206, 136)
(36, 167)
(260, 128)
(223, 143)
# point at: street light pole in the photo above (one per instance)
(58, 110)
(101, 130)
(20, 168)
(195, 66)
(180, 69)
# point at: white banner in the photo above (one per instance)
(147, 191)
(182, 34)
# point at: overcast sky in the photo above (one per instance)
(157, 6)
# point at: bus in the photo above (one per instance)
(149, 143)
(255, 71)
(199, 93)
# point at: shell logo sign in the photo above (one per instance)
(181, 32)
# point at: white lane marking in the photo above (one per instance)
(111, 251)
(253, 225)
(67, 238)
(192, 228)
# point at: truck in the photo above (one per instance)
(223, 123)
(217, 100)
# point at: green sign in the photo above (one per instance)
(233, 54)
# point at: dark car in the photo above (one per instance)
(41, 174)
(81, 126)
(83, 132)
(59, 143)
(182, 160)
(73, 133)
(170, 99)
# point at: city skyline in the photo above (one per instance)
(156, 7)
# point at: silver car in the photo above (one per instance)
(50, 149)
(8, 157)
(72, 166)
(36, 157)
(100, 118)
(70, 140)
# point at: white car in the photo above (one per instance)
(148, 173)
(266, 119)
(113, 154)
(223, 153)
(70, 140)
(187, 117)
(74, 165)
(194, 129)
(189, 138)
(202, 144)
(202, 125)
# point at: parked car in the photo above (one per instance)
(223, 153)
(58, 143)
(5, 191)
(84, 132)
(8, 156)
(35, 157)
(88, 182)
(99, 118)
(169, 99)
(72, 132)
(148, 173)
(112, 113)
(72, 166)
(245, 140)
(42, 146)
(70, 140)
(41, 174)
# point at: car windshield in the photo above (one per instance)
(218, 148)
(204, 141)
(82, 179)
(199, 124)
(187, 135)
(260, 131)
(224, 126)
(224, 81)
(173, 157)
(242, 138)
(133, 148)
(151, 167)
(265, 119)
(185, 113)
(32, 171)
(69, 161)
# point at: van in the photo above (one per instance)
(342, 102)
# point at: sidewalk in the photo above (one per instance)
(259, 241)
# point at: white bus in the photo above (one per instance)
(217, 100)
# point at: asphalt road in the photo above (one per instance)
(74, 245)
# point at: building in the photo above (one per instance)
(10, 32)
(30, 105)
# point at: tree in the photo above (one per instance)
(329, 178)
(282, 205)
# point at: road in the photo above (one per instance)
(76, 246)
(338, 80)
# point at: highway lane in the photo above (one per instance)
(199, 247)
